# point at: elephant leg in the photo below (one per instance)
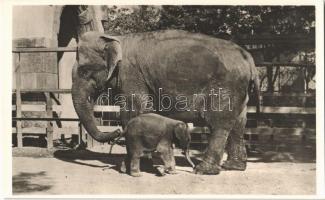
(237, 155)
(213, 156)
(132, 159)
(124, 163)
(169, 161)
(135, 165)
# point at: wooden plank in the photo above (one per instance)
(60, 91)
(202, 130)
(280, 131)
(109, 128)
(294, 41)
(275, 64)
(49, 113)
(31, 130)
(97, 108)
(277, 94)
(44, 119)
(18, 105)
(41, 49)
(106, 108)
(30, 107)
(33, 107)
(58, 108)
(33, 42)
(66, 130)
(199, 142)
(283, 110)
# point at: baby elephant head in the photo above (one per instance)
(183, 135)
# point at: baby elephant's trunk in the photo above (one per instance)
(188, 158)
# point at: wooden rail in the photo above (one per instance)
(107, 108)
(41, 49)
(270, 64)
(58, 91)
(58, 108)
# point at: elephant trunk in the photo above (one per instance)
(188, 158)
(81, 91)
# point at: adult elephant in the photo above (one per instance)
(184, 66)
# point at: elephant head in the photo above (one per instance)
(98, 57)
(183, 135)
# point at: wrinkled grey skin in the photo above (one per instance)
(151, 132)
(180, 63)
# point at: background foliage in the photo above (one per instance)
(219, 21)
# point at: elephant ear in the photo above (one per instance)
(112, 53)
(109, 38)
(182, 134)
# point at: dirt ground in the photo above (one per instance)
(39, 171)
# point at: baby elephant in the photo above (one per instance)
(152, 132)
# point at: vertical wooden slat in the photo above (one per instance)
(269, 73)
(89, 139)
(49, 112)
(18, 104)
(83, 134)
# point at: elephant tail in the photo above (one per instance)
(254, 89)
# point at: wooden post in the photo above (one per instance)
(270, 86)
(81, 133)
(18, 105)
(89, 139)
(49, 112)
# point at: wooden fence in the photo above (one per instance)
(52, 131)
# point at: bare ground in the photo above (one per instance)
(39, 171)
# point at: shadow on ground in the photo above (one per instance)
(23, 183)
(295, 154)
(113, 160)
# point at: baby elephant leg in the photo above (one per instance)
(125, 162)
(135, 165)
(167, 155)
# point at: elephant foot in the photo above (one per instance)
(136, 174)
(234, 165)
(207, 168)
(171, 171)
(161, 171)
(123, 167)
